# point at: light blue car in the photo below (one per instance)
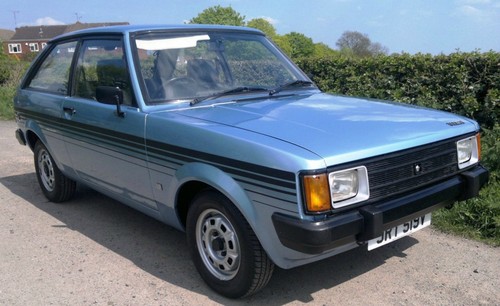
(212, 130)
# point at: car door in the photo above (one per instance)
(106, 146)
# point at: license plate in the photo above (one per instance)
(400, 231)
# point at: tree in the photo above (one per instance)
(284, 44)
(360, 45)
(378, 49)
(219, 15)
(302, 46)
(263, 25)
(323, 50)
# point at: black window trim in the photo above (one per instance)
(81, 41)
(51, 45)
(38, 62)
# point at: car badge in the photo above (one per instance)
(455, 123)
(417, 169)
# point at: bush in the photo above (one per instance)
(11, 73)
(464, 83)
(491, 151)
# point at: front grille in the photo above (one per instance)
(408, 170)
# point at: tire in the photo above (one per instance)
(225, 250)
(55, 186)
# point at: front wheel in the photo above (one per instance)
(55, 186)
(225, 250)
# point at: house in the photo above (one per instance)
(29, 40)
(5, 34)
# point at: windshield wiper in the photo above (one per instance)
(240, 89)
(290, 84)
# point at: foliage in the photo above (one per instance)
(464, 83)
(6, 102)
(478, 218)
(359, 45)
(284, 44)
(293, 44)
(491, 151)
(302, 46)
(322, 50)
(11, 73)
(4, 66)
(219, 15)
(263, 25)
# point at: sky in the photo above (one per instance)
(412, 26)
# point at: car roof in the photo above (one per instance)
(127, 29)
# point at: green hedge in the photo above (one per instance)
(463, 83)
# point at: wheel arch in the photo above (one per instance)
(194, 178)
(32, 138)
(185, 196)
(33, 133)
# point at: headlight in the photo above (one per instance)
(349, 186)
(468, 151)
(323, 192)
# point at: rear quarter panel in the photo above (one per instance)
(39, 114)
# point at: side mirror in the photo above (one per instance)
(111, 95)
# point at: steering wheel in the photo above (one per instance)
(180, 87)
(180, 81)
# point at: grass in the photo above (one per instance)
(6, 102)
(478, 218)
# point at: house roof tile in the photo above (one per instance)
(5, 34)
(47, 32)
(38, 32)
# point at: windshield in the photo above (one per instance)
(197, 65)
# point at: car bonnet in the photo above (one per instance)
(339, 129)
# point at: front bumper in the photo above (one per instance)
(368, 222)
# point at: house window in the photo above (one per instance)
(34, 47)
(44, 45)
(15, 48)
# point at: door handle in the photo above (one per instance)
(69, 110)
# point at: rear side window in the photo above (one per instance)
(53, 73)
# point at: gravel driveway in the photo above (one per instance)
(95, 251)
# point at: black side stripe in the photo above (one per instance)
(232, 166)
(284, 175)
(172, 154)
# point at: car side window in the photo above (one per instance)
(53, 73)
(101, 62)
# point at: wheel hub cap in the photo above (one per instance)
(46, 169)
(218, 244)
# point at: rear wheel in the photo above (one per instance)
(224, 248)
(55, 186)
